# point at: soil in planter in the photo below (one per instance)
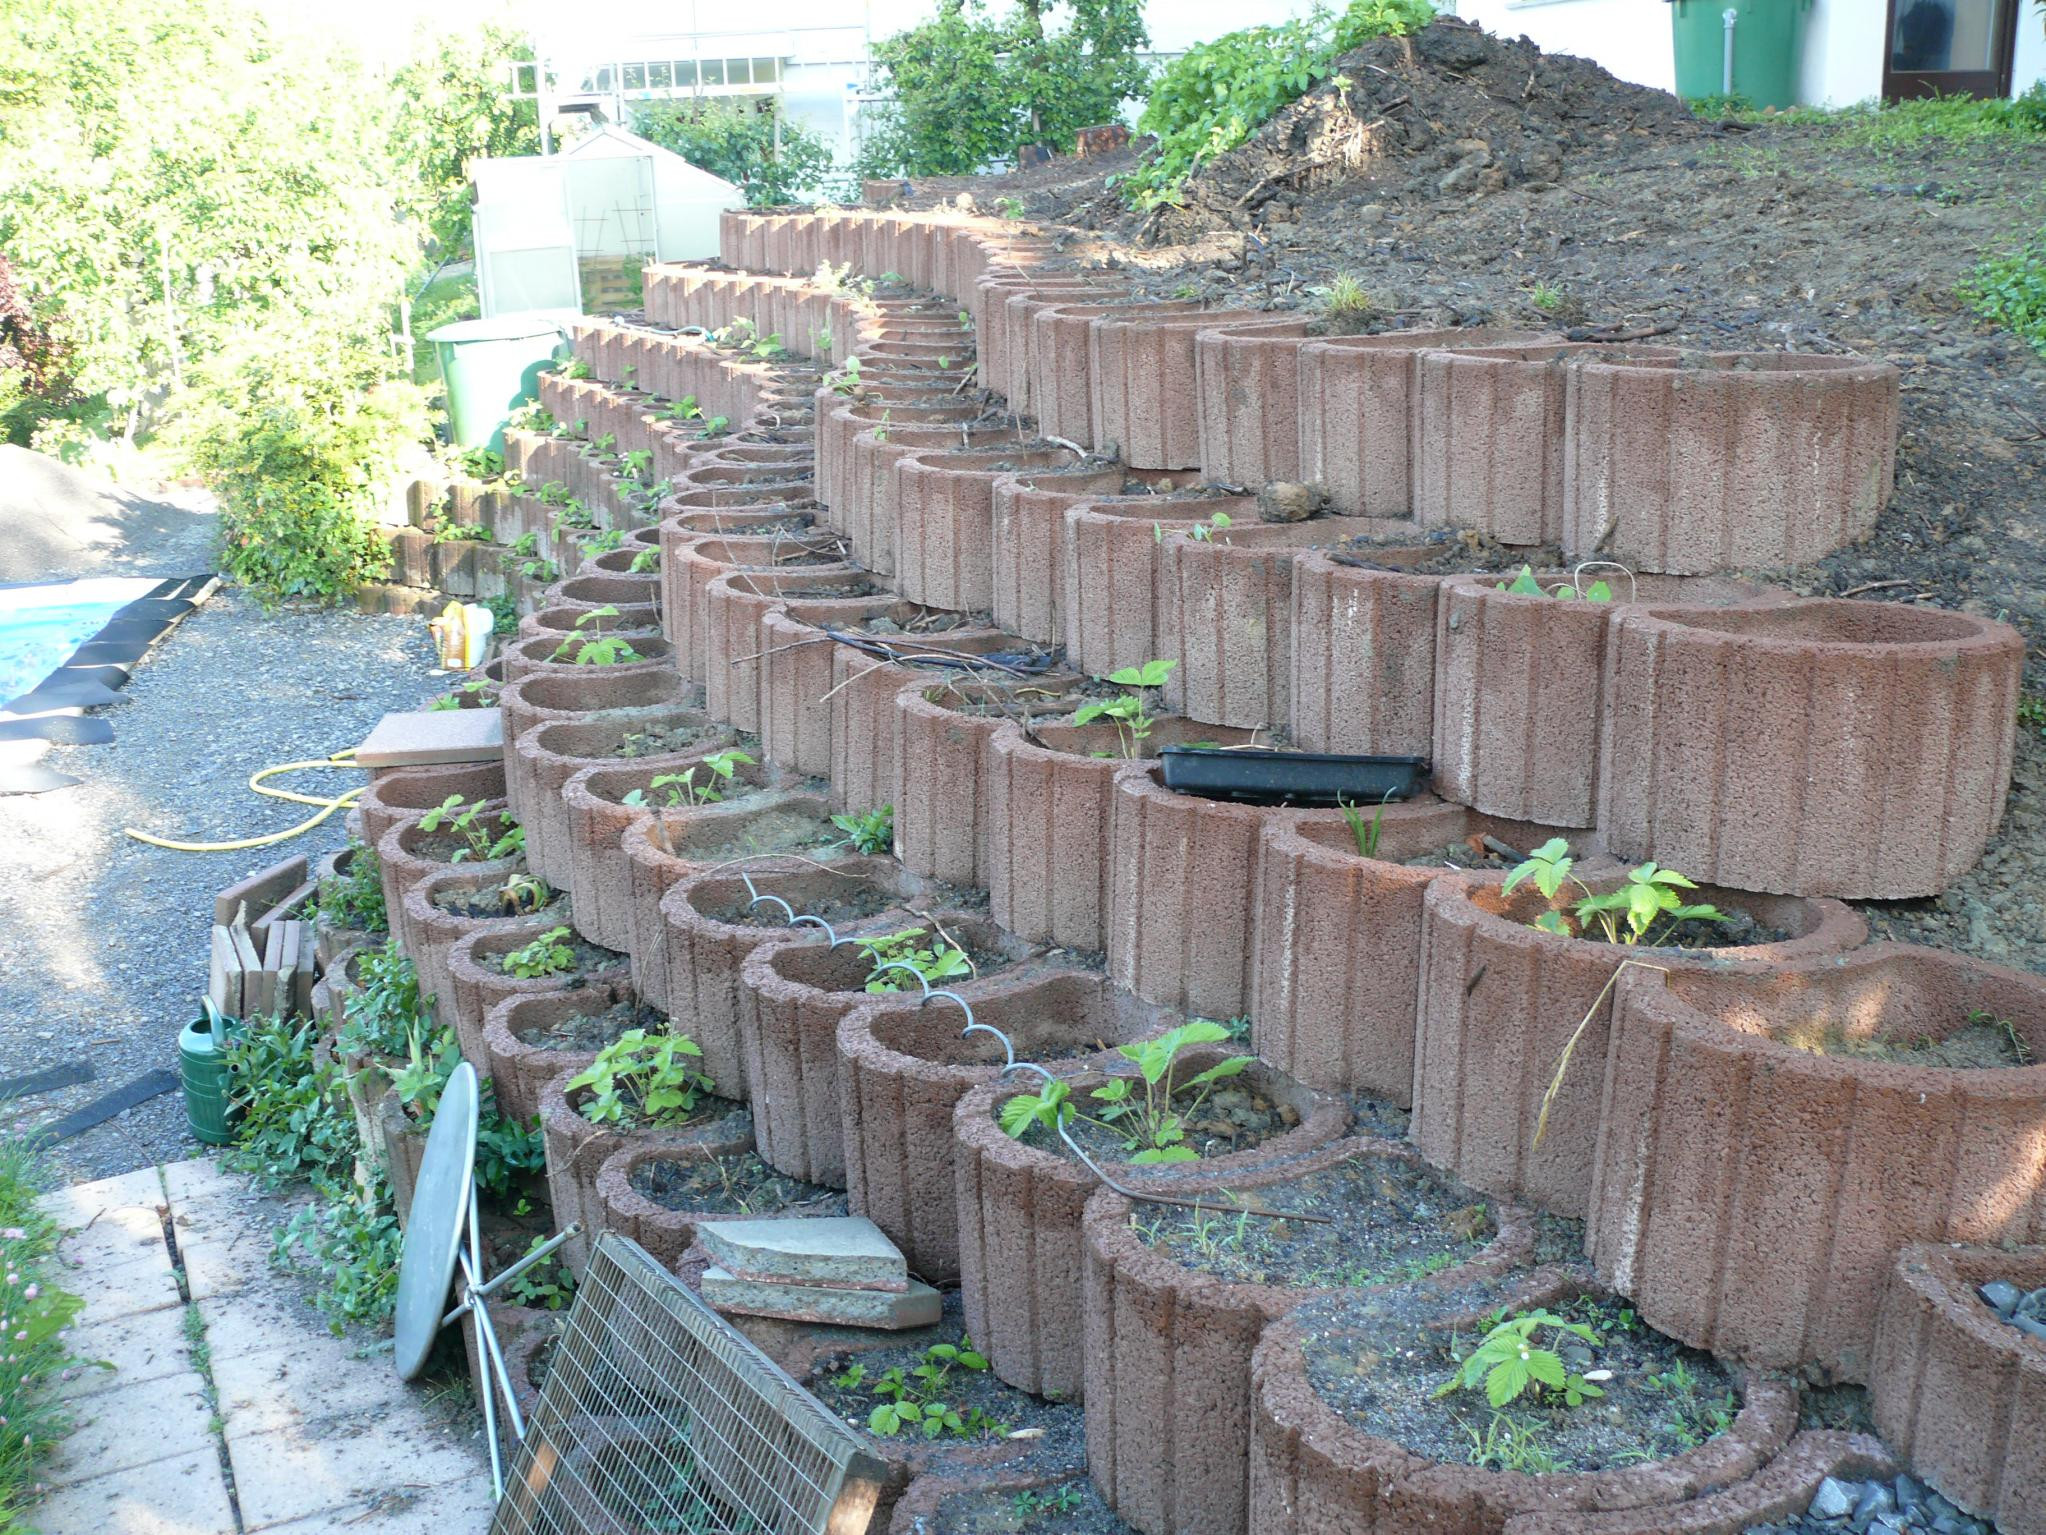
(740, 1184)
(666, 740)
(441, 847)
(1464, 853)
(1388, 1221)
(1058, 1508)
(930, 621)
(781, 831)
(587, 1033)
(589, 959)
(487, 904)
(1234, 1117)
(1378, 1361)
(769, 529)
(861, 901)
(709, 1107)
(1983, 1042)
(846, 593)
(1056, 1445)
(1452, 552)
(1371, 1117)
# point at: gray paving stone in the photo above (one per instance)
(146, 1346)
(112, 1291)
(839, 1250)
(183, 1495)
(134, 1425)
(433, 735)
(918, 1306)
(295, 1473)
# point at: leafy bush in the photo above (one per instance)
(769, 156)
(1213, 97)
(33, 1315)
(643, 1079)
(294, 1123)
(384, 1011)
(2011, 291)
(355, 898)
(968, 88)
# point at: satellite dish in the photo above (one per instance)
(442, 1199)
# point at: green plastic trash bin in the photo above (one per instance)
(1768, 36)
(204, 1068)
(491, 368)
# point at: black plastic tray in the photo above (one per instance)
(1290, 778)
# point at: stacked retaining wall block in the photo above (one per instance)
(1754, 1136)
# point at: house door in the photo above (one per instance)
(1949, 47)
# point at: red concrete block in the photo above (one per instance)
(1959, 1391)
(944, 535)
(1048, 809)
(904, 1064)
(394, 794)
(1501, 1001)
(1730, 459)
(1116, 610)
(1168, 1351)
(538, 655)
(1750, 1192)
(1363, 677)
(703, 560)
(1229, 607)
(500, 1035)
(737, 602)
(1146, 398)
(1518, 684)
(1856, 749)
(1356, 397)
(1020, 1212)
(407, 854)
(436, 922)
(1249, 376)
(1488, 440)
(864, 760)
(1055, 340)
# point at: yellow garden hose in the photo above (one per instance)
(346, 800)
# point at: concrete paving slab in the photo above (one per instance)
(918, 1306)
(134, 1425)
(225, 1266)
(112, 1292)
(150, 1345)
(292, 1474)
(432, 736)
(458, 1508)
(200, 1178)
(183, 1495)
(116, 1235)
(290, 1387)
(77, 1203)
(840, 1250)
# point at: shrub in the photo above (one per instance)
(33, 1314)
(771, 157)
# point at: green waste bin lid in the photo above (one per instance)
(503, 327)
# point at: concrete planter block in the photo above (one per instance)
(944, 542)
(1117, 608)
(1336, 974)
(1250, 406)
(865, 727)
(435, 929)
(1028, 556)
(1958, 1391)
(1147, 403)
(703, 560)
(1356, 398)
(518, 1069)
(1229, 601)
(535, 655)
(843, 419)
(1518, 691)
(1363, 675)
(872, 513)
(1310, 1465)
(1856, 749)
(1727, 460)
(1749, 1194)
(546, 758)
(557, 620)
(1169, 1350)
(666, 1233)
(525, 706)
(598, 819)
(1183, 895)
(401, 864)
(940, 795)
(712, 926)
(1488, 440)
(802, 989)
(1049, 805)
(736, 603)
(1020, 1212)
(1053, 366)
(1005, 328)
(904, 1064)
(578, 1149)
(396, 794)
(661, 852)
(477, 983)
(1500, 1000)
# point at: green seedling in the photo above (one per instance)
(936, 961)
(522, 895)
(1152, 1125)
(1625, 915)
(549, 954)
(685, 409)
(645, 562)
(914, 1399)
(553, 493)
(642, 1079)
(1525, 585)
(873, 832)
(1511, 1361)
(716, 426)
(682, 790)
(847, 379)
(1132, 720)
(1365, 832)
(637, 461)
(470, 823)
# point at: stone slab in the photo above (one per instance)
(452, 1508)
(425, 736)
(292, 1474)
(146, 1346)
(180, 1496)
(133, 1425)
(918, 1306)
(259, 891)
(846, 1252)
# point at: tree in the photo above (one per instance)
(773, 159)
(968, 88)
(454, 107)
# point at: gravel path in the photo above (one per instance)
(103, 939)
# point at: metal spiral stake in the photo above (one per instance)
(1059, 1125)
(793, 917)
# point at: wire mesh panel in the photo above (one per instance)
(657, 1418)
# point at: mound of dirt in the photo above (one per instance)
(1451, 111)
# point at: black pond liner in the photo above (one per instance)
(89, 678)
(1290, 778)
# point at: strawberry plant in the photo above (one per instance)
(1151, 1123)
(549, 954)
(1132, 720)
(1624, 915)
(642, 1079)
(1511, 1360)
(914, 1399)
(935, 961)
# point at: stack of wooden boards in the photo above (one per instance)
(263, 960)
